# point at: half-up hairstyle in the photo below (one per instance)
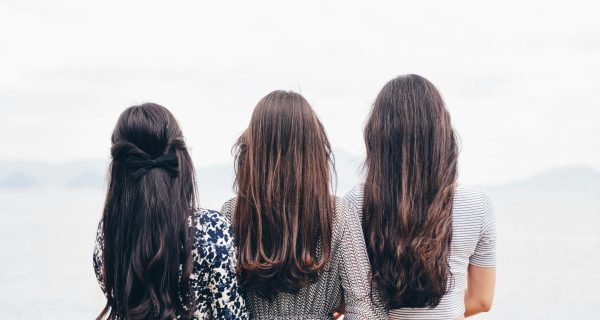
(282, 220)
(151, 196)
(411, 172)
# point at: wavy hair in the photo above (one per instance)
(282, 220)
(411, 172)
(147, 241)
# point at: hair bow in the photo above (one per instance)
(168, 162)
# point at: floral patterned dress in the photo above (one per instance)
(214, 280)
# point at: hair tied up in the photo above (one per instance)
(147, 242)
(176, 144)
(142, 166)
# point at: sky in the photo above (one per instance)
(521, 78)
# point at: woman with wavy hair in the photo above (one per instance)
(301, 252)
(431, 244)
(156, 255)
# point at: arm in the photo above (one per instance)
(97, 258)
(481, 277)
(480, 289)
(355, 269)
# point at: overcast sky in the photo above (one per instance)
(520, 78)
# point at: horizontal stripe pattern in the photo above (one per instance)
(473, 242)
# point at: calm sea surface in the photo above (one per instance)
(549, 255)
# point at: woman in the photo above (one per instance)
(427, 239)
(155, 256)
(300, 251)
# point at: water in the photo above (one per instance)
(46, 240)
(548, 256)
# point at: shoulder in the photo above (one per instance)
(341, 207)
(209, 218)
(99, 231)
(212, 228)
(355, 194)
(346, 213)
(471, 195)
(354, 197)
(472, 202)
(228, 207)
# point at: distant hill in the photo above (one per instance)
(92, 173)
(87, 179)
(216, 181)
(571, 179)
(70, 174)
(18, 180)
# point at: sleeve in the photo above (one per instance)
(222, 289)
(355, 270)
(97, 258)
(485, 250)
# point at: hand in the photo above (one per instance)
(338, 313)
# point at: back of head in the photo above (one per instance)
(151, 195)
(282, 220)
(411, 175)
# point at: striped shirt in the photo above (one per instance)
(346, 276)
(473, 242)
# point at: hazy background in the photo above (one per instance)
(520, 78)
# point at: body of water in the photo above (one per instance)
(549, 254)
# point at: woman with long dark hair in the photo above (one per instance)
(156, 255)
(301, 252)
(431, 244)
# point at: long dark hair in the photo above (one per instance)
(151, 195)
(411, 172)
(282, 221)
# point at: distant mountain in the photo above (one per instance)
(216, 181)
(571, 179)
(87, 179)
(18, 180)
(70, 174)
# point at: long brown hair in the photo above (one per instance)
(151, 195)
(282, 221)
(411, 172)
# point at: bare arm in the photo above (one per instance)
(481, 277)
(480, 289)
